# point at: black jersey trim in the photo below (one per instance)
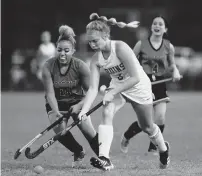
(153, 46)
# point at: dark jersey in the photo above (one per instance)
(68, 86)
(154, 61)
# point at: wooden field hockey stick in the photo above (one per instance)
(19, 151)
(32, 155)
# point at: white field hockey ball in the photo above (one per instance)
(102, 89)
(38, 169)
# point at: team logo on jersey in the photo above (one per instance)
(66, 83)
(115, 69)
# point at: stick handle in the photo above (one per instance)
(162, 81)
(94, 108)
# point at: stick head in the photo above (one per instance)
(17, 154)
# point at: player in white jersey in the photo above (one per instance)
(129, 83)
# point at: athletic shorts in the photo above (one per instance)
(141, 93)
(63, 106)
(159, 90)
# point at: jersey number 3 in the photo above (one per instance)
(120, 76)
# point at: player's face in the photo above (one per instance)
(65, 50)
(158, 27)
(96, 40)
(45, 37)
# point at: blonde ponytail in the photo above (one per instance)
(112, 21)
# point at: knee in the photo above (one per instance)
(60, 127)
(108, 114)
(160, 119)
(148, 128)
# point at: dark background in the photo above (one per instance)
(24, 20)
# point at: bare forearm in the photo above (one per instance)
(173, 68)
(52, 101)
(89, 99)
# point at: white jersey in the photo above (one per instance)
(141, 92)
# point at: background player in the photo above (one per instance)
(156, 56)
(45, 51)
(129, 82)
(65, 78)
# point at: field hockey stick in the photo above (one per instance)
(32, 155)
(162, 81)
(19, 151)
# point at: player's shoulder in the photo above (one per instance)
(78, 62)
(168, 45)
(49, 65)
(143, 43)
(120, 45)
(51, 60)
(166, 41)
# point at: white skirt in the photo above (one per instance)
(141, 93)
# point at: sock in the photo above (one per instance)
(151, 145)
(95, 145)
(157, 139)
(70, 143)
(133, 130)
(87, 129)
(105, 139)
(161, 127)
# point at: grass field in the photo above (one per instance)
(23, 117)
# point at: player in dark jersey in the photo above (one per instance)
(66, 79)
(156, 56)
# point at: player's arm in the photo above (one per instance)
(84, 72)
(137, 48)
(128, 58)
(49, 90)
(93, 87)
(172, 66)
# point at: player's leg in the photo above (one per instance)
(159, 119)
(90, 133)
(105, 131)
(144, 114)
(105, 137)
(160, 115)
(68, 141)
(159, 104)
